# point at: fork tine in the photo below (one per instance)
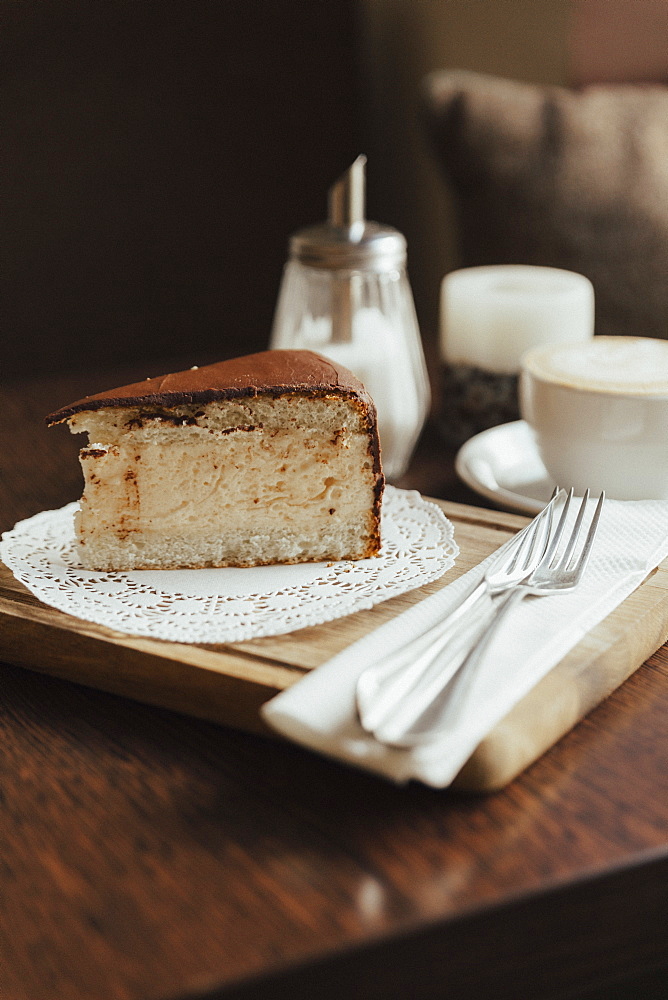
(522, 557)
(572, 541)
(541, 537)
(559, 530)
(524, 543)
(579, 567)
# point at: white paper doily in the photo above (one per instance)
(230, 605)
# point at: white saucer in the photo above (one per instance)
(502, 464)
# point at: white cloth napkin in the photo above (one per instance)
(319, 711)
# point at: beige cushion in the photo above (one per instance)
(573, 179)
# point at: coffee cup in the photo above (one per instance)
(599, 412)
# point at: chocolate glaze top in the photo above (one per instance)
(271, 372)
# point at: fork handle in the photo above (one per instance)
(426, 716)
(384, 684)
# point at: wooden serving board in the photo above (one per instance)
(228, 683)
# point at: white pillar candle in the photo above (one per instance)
(491, 315)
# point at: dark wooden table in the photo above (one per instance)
(148, 856)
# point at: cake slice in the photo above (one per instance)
(269, 458)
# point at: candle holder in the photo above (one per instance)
(490, 316)
(345, 294)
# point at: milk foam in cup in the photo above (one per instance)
(599, 411)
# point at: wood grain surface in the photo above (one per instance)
(228, 683)
(147, 855)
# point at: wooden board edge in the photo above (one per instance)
(562, 698)
(223, 658)
(226, 698)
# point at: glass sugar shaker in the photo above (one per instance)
(345, 294)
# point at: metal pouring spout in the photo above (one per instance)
(347, 211)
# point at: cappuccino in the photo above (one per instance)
(599, 412)
(636, 366)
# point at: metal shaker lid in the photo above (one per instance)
(347, 240)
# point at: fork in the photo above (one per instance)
(433, 705)
(383, 685)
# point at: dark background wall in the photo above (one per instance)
(156, 156)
